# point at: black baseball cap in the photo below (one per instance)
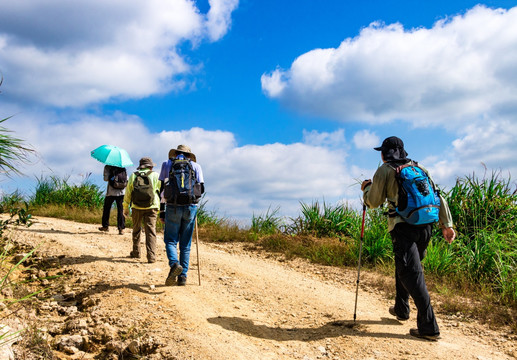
(392, 142)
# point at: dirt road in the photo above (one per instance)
(249, 305)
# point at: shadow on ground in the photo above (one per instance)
(329, 330)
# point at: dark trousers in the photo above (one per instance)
(108, 201)
(409, 246)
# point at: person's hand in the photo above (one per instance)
(365, 184)
(126, 213)
(449, 234)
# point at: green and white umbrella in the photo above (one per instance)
(112, 155)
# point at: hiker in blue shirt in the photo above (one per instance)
(182, 184)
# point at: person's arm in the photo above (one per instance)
(445, 220)
(374, 192)
(127, 196)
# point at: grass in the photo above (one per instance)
(12, 151)
(58, 191)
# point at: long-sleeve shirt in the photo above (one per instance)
(111, 191)
(385, 187)
(129, 190)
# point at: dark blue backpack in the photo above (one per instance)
(418, 200)
(181, 188)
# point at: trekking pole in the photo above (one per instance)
(197, 252)
(359, 262)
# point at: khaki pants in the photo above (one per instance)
(148, 217)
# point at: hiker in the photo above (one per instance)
(183, 184)
(409, 240)
(117, 182)
(143, 196)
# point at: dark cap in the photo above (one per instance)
(392, 149)
(392, 142)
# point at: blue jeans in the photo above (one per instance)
(179, 226)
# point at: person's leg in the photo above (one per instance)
(185, 238)
(108, 201)
(121, 220)
(150, 234)
(173, 215)
(136, 216)
(411, 276)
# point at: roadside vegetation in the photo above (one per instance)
(480, 265)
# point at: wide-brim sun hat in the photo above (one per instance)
(182, 149)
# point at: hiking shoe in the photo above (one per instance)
(104, 228)
(121, 231)
(134, 255)
(392, 312)
(182, 280)
(416, 333)
(176, 269)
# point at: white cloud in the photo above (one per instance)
(240, 180)
(334, 139)
(63, 54)
(490, 146)
(459, 71)
(365, 139)
(219, 17)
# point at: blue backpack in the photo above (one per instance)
(418, 200)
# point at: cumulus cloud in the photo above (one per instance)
(240, 180)
(219, 17)
(453, 73)
(73, 54)
(489, 146)
(365, 139)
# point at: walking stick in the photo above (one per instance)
(197, 252)
(359, 262)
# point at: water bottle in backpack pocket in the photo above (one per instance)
(181, 187)
(143, 193)
(418, 200)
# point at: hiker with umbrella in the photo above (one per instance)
(115, 160)
(406, 185)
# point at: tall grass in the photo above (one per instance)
(484, 212)
(266, 224)
(57, 191)
(487, 203)
(326, 220)
(12, 151)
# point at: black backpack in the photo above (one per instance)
(143, 193)
(181, 187)
(118, 177)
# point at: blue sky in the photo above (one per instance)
(280, 103)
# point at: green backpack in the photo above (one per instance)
(143, 194)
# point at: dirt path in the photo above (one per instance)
(249, 306)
